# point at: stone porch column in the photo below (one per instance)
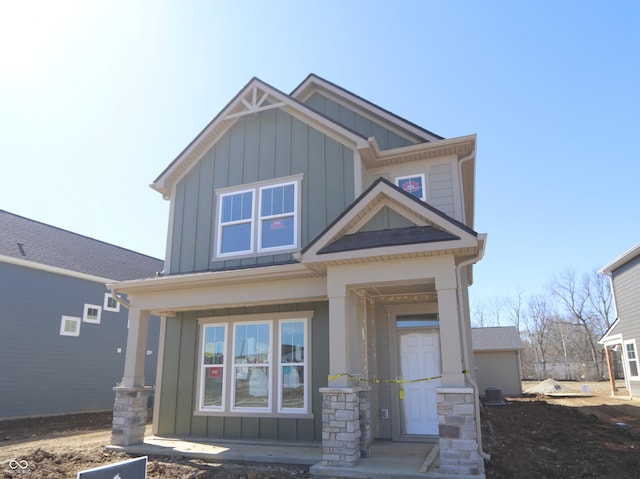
(346, 431)
(130, 407)
(458, 434)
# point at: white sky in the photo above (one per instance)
(97, 98)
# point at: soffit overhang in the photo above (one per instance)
(256, 96)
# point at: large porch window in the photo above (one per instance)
(268, 366)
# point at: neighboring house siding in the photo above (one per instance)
(179, 382)
(354, 121)
(46, 373)
(626, 285)
(270, 144)
(498, 369)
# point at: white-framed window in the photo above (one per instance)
(293, 371)
(262, 217)
(257, 364)
(69, 326)
(92, 313)
(110, 304)
(413, 184)
(213, 367)
(631, 356)
(252, 367)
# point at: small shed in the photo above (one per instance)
(496, 352)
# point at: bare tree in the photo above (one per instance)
(575, 296)
(601, 299)
(514, 309)
(539, 319)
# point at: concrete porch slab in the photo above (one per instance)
(388, 459)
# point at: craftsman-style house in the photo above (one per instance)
(319, 254)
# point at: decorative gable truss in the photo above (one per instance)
(254, 99)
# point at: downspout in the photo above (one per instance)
(465, 353)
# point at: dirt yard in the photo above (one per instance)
(563, 437)
(528, 437)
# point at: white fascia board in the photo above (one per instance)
(610, 338)
(53, 269)
(621, 260)
(396, 251)
(185, 281)
(432, 149)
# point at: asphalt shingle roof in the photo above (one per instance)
(393, 237)
(497, 338)
(30, 240)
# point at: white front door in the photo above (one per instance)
(419, 352)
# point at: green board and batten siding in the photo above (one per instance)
(270, 144)
(354, 121)
(182, 365)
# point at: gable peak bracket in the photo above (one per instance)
(254, 101)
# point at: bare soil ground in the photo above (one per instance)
(563, 437)
(528, 437)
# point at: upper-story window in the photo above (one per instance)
(413, 184)
(260, 218)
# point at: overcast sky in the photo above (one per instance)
(97, 98)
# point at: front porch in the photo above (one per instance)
(402, 460)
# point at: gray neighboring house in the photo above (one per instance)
(624, 335)
(496, 352)
(62, 347)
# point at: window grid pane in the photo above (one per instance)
(292, 364)
(414, 185)
(251, 371)
(213, 361)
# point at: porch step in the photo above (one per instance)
(433, 454)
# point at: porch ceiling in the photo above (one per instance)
(399, 292)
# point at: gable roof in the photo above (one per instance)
(256, 96)
(344, 234)
(497, 338)
(315, 83)
(25, 241)
(621, 260)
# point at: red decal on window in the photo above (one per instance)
(277, 224)
(411, 186)
(214, 373)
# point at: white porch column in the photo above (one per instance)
(450, 331)
(338, 340)
(136, 349)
